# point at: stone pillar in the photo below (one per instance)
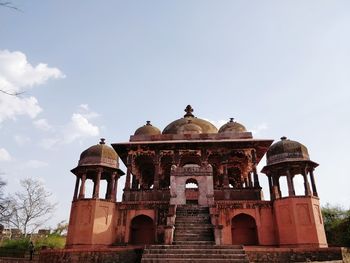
(156, 172)
(76, 189)
(96, 192)
(269, 178)
(127, 179)
(313, 185)
(306, 184)
(115, 187)
(82, 187)
(256, 178)
(226, 180)
(279, 187)
(110, 187)
(275, 188)
(291, 191)
(250, 182)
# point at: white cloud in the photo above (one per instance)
(49, 143)
(4, 155)
(85, 111)
(18, 75)
(35, 164)
(21, 139)
(12, 106)
(43, 125)
(78, 128)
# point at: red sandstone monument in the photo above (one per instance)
(194, 186)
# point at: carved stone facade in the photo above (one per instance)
(193, 163)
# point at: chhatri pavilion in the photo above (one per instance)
(194, 184)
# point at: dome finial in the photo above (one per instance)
(189, 111)
(148, 123)
(231, 119)
(283, 138)
(102, 141)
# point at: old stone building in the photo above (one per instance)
(194, 184)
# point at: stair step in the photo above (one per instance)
(195, 256)
(200, 260)
(195, 246)
(193, 251)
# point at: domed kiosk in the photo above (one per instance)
(295, 215)
(226, 206)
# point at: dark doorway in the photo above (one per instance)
(142, 230)
(243, 229)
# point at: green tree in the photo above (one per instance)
(337, 225)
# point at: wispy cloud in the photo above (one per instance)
(78, 128)
(5, 155)
(21, 139)
(42, 124)
(18, 75)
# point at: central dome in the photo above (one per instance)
(190, 123)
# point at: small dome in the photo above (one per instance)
(286, 150)
(147, 129)
(99, 154)
(176, 127)
(189, 128)
(232, 126)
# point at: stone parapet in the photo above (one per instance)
(115, 255)
(283, 255)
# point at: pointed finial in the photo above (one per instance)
(102, 141)
(231, 119)
(283, 138)
(189, 111)
(148, 123)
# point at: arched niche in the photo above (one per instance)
(243, 230)
(142, 230)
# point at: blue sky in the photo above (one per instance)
(94, 69)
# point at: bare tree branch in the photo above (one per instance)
(11, 93)
(31, 207)
(9, 5)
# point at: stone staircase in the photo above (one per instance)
(193, 241)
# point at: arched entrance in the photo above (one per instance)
(142, 230)
(191, 191)
(243, 230)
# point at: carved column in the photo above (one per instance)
(76, 189)
(115, 187)
(313, 185)
(96, 192)
(276, 190)
(110, 187)
(82, 187)
(306, 184)
(226, 180)
(134, 182)
(127, 179)
(256, 178)
(291, 191)
(156, 171)
(250, 182)
(269, 178)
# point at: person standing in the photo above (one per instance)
(31, 250)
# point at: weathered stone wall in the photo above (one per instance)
(93, 256)
(285, 255)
